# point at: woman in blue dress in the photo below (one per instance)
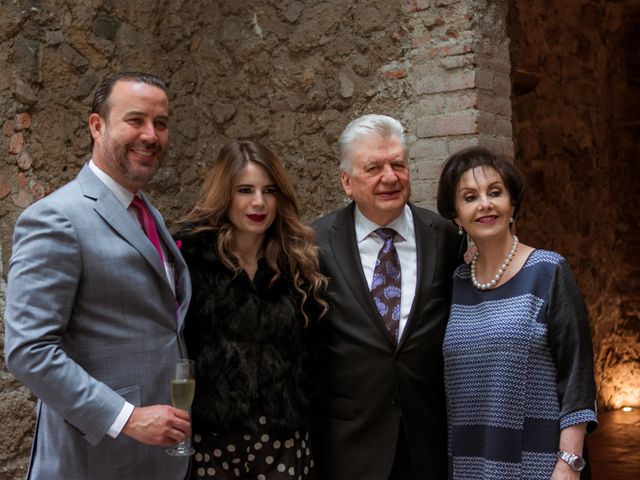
(517, 349)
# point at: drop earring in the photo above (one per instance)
(511, 221)
(460, 231)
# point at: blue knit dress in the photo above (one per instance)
(518, 368)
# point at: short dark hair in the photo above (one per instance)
(100, 99)
(467, 159)
(101, 104)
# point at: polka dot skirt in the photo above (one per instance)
(261, 455)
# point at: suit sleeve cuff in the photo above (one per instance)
(120, 421)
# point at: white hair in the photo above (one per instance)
(382, 125)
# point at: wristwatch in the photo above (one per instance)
(576, 462)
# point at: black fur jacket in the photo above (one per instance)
(253, 354)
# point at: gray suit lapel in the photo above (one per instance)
(344, 247)
(112, 212)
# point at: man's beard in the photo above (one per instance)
(139, 175)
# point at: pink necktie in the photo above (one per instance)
(148, 224)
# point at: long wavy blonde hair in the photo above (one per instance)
(288, 245)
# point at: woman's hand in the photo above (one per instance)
(564, 472)
(572, 441)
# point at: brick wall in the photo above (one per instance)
(460, 77)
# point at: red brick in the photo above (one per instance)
(7, 128)
(502, 85)
(487, 102)
(23, 121)
(452, 34)
(444, 125)
(442, 3)
(462, 101)
(425, 193)
(22, 180)
(447, 82)
(38, 190)
(428, 170)
(416, 5)
(412, 6)
(23, 199)
(397, 73)
(458, 143)
(484, 79)
(16, 143)
(430, 105)
(421, 41)
(457, 61)
(5, 189)
(499, 145)
(24, 161)
(428, 150)
(492, 124)
(449, 48)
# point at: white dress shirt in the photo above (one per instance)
(369, 245)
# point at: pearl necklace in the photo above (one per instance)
(501, 270)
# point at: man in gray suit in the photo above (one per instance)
(390, 265)
(94, 310)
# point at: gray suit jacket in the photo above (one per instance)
(91, 321)
(373, 385)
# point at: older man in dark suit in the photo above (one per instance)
(390, 265)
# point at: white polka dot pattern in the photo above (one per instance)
(258, 455)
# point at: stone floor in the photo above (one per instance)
(614, 447)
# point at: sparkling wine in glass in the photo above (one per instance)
(183, 387)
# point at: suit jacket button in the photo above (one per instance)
(394, 401)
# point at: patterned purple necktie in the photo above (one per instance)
(385, 287)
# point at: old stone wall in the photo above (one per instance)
(576, 107)
(291, 73)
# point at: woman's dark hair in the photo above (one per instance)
(467, 159)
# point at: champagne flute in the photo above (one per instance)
(183, 387)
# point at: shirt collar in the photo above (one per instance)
(365, 227)
(124, 196)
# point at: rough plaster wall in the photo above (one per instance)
(290, 73)
(574, 105)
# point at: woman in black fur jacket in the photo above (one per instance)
(253, 322)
